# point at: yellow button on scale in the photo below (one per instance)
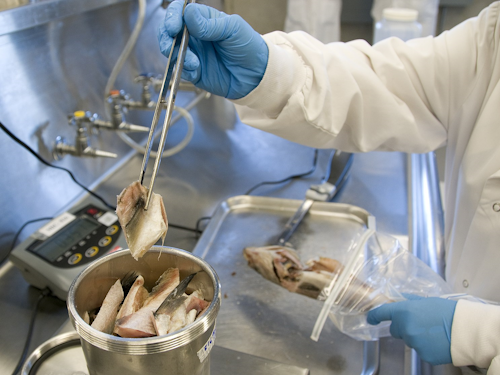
(75, 258)
(112, 230)
(91, 251)
(105, 241)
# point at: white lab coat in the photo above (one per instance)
(412, 97)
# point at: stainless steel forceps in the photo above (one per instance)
(174, 86)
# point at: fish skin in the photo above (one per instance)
(261, 260)
(142, 228)
(106, 317)
(282, 266)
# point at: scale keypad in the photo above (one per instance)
(85, 249)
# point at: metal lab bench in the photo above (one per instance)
(225, 159)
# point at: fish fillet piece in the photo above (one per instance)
(196, 302)
(186, 315)
(179, 313)
(165, 284)
(162, 324)
(137, 325)
(142, 228)
(282, 266)
(134, 299)
(106, 317)
(191, 317)
(141, 323)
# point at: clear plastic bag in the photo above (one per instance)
(377, 270)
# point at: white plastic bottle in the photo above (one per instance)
(399, 22)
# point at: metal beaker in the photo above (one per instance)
(185, 352)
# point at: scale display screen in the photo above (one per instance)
(75, 231)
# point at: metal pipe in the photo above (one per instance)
(425, 225)
(371, 358)
(426, 216)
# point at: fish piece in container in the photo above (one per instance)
(135, 298)
(141, 322)
(166, 309)
(105, 319)
(178, 313)
(142, 228)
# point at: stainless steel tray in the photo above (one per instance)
(262, 319)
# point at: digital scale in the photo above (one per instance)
(56, 253)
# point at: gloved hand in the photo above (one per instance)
(423, 323)
(226, 56)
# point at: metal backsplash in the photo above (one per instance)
(50, 70)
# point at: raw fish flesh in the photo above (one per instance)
(166, 283)
(166, 309)
(142, 228)
(180, 312)
(282, 266)
(134, 299)
(136, 325)
(105, 319)
(141, 322)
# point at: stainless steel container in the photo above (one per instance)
(180, 353)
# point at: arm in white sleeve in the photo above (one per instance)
(475, 336)
(392, 96)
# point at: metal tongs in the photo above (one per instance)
(174, 86)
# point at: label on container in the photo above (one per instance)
(205, 351)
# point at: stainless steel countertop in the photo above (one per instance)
(224, 159)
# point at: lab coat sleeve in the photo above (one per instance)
(475, 336)
(393, 96)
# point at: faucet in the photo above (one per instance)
(121, 101)
(118, 100)
(82, 146)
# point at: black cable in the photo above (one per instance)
(24, 226)
(9, 133)
(42, 160)
(183, 228)
(196, 230)
(44, 293)
(18, 233)
(313, 168)
(198, 222)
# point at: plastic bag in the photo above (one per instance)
(377, 270)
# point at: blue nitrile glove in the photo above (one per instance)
(424, 324)
(226, 56)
